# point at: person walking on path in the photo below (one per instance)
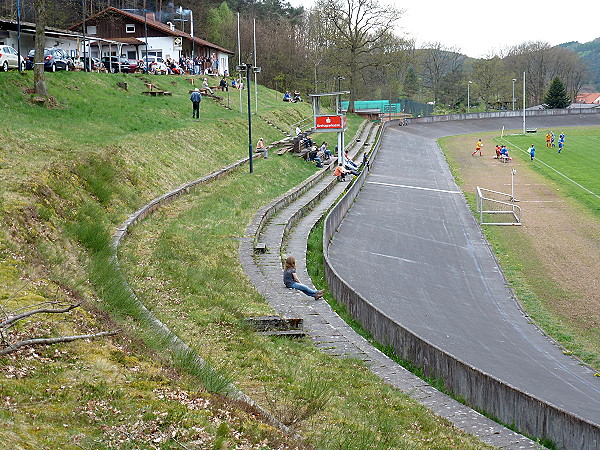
(196, 98)
(290, 279)
(532, 152)
(477, 148)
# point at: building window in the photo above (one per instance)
(91, 30)
(130, 28)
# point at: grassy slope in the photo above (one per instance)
(68, 175)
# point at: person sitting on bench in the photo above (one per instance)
(206, 86)
(349, 165)
(340, 173)
(312, 156)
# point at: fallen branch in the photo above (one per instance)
(13, 319)
(49, 341)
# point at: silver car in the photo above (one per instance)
(9, 58)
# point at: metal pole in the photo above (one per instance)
(513, 98)
(239, 64)
(19, 36)
(146, 35)
(255, 74)
(192, 33)
(524, 103)
(248, 69)
(469, 96)
(85, 66)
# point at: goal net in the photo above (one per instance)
(497, 208)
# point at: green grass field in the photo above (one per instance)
(576, 168)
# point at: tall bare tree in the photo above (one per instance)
(39, 78)
(440, 63)
(358, 29)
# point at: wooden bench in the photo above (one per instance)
(155, 93)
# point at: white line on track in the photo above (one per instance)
(414, 187)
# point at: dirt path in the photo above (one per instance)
(557, 235)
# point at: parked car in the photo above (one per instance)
(91, 63)
(136, 64)
(116, 64)
(54, 59)
(9, 58)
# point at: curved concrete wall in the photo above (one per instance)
(499, 114)
(529, 415)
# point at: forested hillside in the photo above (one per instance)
(589, 53)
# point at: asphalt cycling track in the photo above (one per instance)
(411, 246)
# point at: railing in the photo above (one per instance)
(493, 203)
(300, 124)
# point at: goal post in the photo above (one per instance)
(497, 208)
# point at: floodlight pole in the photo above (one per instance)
(248, 70)
(469, 96)
(513, 98)
(524, 129)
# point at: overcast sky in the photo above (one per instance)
(477, 27)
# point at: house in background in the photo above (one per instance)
(139, 36)
(588, 99)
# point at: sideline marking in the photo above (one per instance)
(414, 187)
(558, 172)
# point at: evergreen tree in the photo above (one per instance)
(556, 97)
(411, 83)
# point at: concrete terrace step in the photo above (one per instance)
(327, 330)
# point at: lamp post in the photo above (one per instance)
(248, 68)
(524, 129)
(513, 97)
(469, 96)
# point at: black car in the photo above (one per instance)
(54, 59)
(116, 64)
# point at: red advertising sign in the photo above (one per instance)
(330, 123)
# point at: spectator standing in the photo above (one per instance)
(196, 98)
(365, 161)
(290, 279)
(223, 84)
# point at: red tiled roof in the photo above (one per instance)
(588, 98)
(154, 24)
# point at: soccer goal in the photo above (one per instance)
(497, 208)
